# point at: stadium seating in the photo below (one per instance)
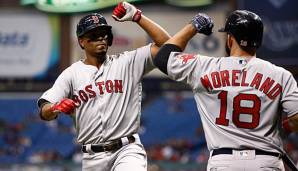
(162, 120)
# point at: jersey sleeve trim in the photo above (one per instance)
(42, 102)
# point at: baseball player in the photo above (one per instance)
(103, 93)
(239, 97)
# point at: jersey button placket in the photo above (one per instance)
(101, 75)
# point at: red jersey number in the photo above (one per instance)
(239, 110)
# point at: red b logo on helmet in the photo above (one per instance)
(95, 19)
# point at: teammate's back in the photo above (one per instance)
(238, 100)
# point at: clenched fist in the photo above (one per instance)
(126, 12)
(65, 105)
(202, 23)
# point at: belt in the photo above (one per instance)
(111, 146)
(230, 151)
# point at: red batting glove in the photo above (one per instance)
(126, 12)
(119, 12)
(65, 105)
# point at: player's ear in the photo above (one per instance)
(81, 42)
(230, 41)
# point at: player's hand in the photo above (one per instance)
(202, 23)
(66, 106)
(126, 12)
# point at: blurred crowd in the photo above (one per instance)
(180, 150)
(14, 143)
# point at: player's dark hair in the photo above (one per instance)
(250, 50)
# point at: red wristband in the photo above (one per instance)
(137, 16)
(286, 126)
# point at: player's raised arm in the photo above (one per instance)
(127, 12)
(201, 23)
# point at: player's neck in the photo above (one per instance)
(241, 53)
(94, 61)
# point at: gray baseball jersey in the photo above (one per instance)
(109, 98)
(239, 100)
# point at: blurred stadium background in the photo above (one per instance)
(37, 41)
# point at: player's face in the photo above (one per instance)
(95, 42)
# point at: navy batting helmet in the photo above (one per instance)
(246, 27)
(92, 21)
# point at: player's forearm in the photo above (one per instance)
(175, 44)
(155, 31)
(181, 38)
(293, 123)
(46, 113)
